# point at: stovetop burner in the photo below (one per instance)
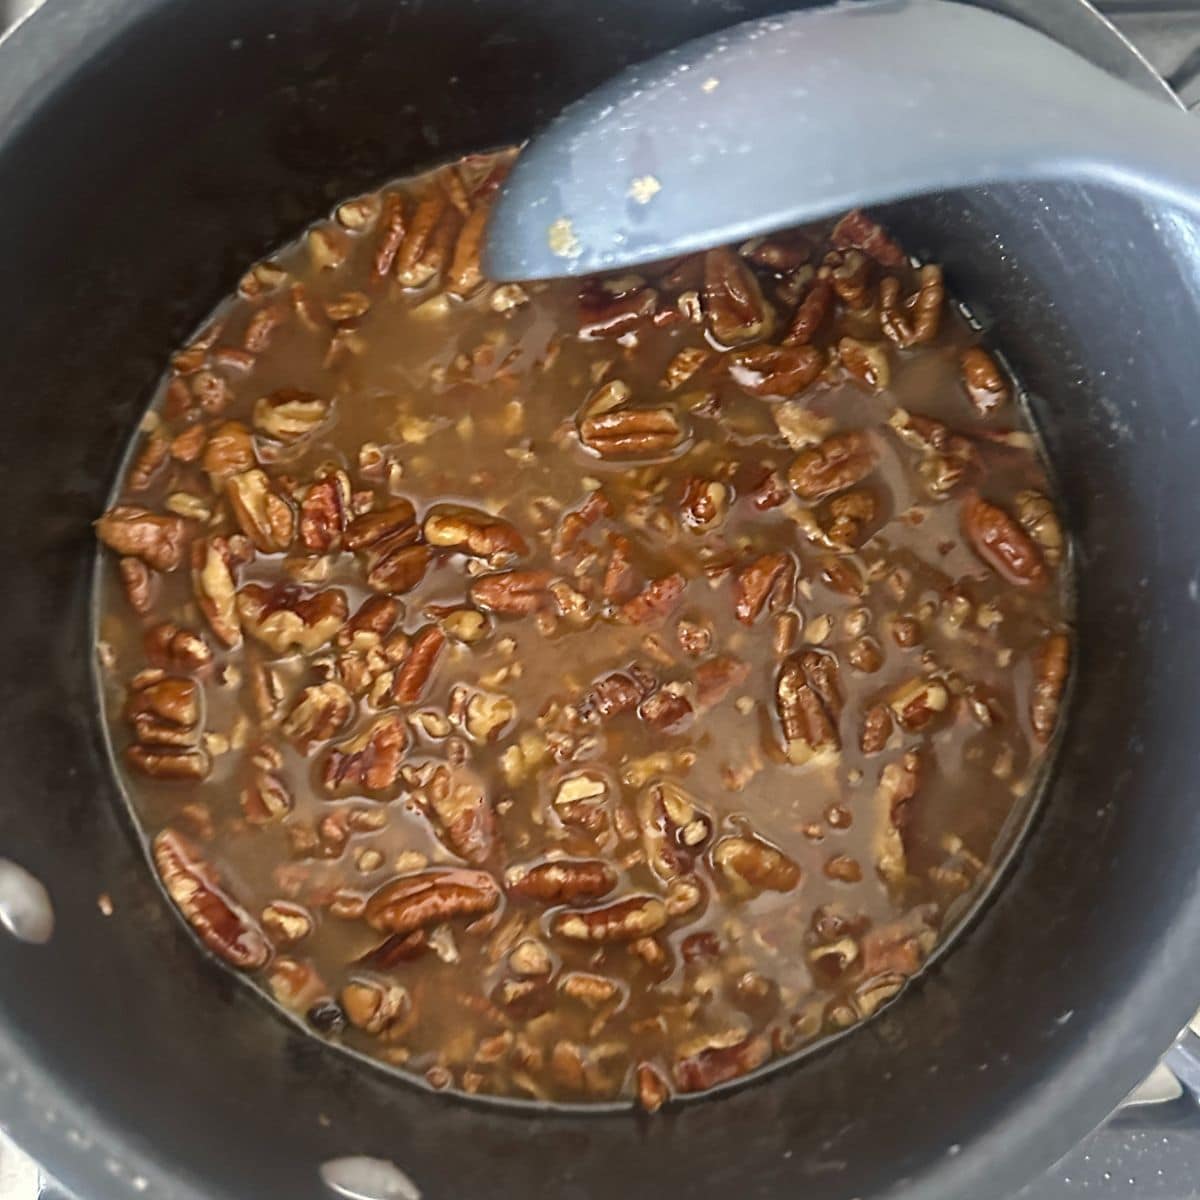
(1149, 1149)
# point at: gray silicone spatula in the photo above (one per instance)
(778, 121)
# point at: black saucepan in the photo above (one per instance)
(149, 149)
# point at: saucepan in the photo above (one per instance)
(149, 149)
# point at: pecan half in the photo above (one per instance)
(1040, 520)
(150, 459)
(414, 672)
(1050, 665)
(851, 274)
(865, 362)
(734, 307)
(169, 762)
(265, 516)
(898, 783)
(609, 308)
(215, 561)
(457, 802)
(325, 513)
(287, 618)
(140, 584)
(575, 523)
(288, 415)
(717, 677)
(229, 450)
(1001, 543)
(983, 381)
(620, 575)
(414, 902)
(754, 583)
(620, 922)
(704, 502)
(171, 699)
(320, 712)
(369, 761)
(391, 233)
(195, 888)
(386, 540)
(167, 645)
(918, 701)
(465, 275)
(472, 531)
(877, 728)
(748, 865)
(609, 696)
(775, 371)
(564, 881)
(837, 463)
(632, 433)
(858, 231)
(806, 699)
(719, 1060)
(810, 314)
(847, 517)
(656, 601)
(513, 593)
(666, 711)
(155, 538)
(919, 317)
(898, 947)
(266, 797)
(429, 239)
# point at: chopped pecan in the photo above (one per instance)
(374, 1007)
(288, 415)
(1001, 543)
(150, 459)
(415, 902)
(155, 538)
(413, 675)
(806, 697)
(167, 645)
(612, 307)
(139, 582)
(325, 513)
(609, 696)
(386, 540)
(229, 451)
(684, 365)
(858, 231)
(666, 711)
(674, 828)
(810, 314)
(877, 728)
(266, 797)
(320, 712)
(918, 701)
(898, 783)
(918, 319)
(839, 462)
(704, 502)
(655, 601)
(474, 532)
(513, 593)
(775, 371)
(867, 362)
(848, 516)
(753, 584)
(265, 516)
(632, 433)
(215, 561)
(718, 1060)
(748, 865)
(1050, 665)
(620, 575)
(369, 761)
(287, 618)
(575, 523)
(983, 381)
(195, 888)
(900, 946)
(620, 922)
(734, 307)
(716, 677)
(564, 881)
